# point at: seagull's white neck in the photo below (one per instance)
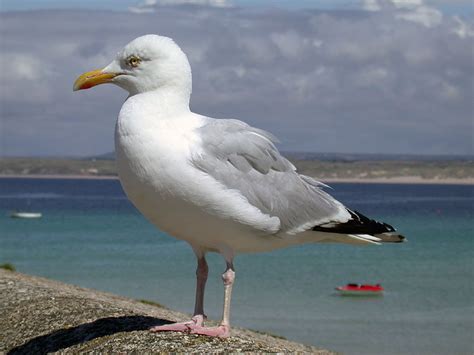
(159, 104)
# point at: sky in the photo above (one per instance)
(361, 76)
(460, 7)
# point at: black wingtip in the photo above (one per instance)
(360, 224)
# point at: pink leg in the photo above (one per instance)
(201, 276)
(223, 330)
(197, 321)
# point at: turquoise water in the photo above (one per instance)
(90, 235)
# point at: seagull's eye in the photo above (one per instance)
(133, 61)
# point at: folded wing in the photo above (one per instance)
(245, 159)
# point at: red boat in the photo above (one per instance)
(361, 290)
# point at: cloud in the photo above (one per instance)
(323, 81)
(407, 4)
(371, 5)
(418, 12)
(408, 10)
(148, 6)
(26, 67)
(461, 28)
(425, 15)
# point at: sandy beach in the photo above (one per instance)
(403, 180)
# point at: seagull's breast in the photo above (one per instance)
(154, 160)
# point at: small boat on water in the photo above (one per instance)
(26, 215)
(353, 289)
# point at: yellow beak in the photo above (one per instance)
(92, 78)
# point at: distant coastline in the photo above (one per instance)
(394, 180)
(327, 169)
(58, 176)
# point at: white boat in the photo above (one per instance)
(26, 215)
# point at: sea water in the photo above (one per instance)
(90, 235)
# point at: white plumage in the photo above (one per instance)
(220, 185)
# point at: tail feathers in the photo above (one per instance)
(362, 229)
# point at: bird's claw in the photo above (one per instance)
(195, 326)
(186, 327)
(222, 331)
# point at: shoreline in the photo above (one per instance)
(414, 180)
(394, 180)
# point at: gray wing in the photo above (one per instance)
(245, 159)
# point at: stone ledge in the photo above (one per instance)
(43, 316)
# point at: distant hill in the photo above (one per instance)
(344, 157)
(324, 167)
(105, 156)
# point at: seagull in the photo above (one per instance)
(219, 184)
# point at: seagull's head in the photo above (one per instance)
(147, 63)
